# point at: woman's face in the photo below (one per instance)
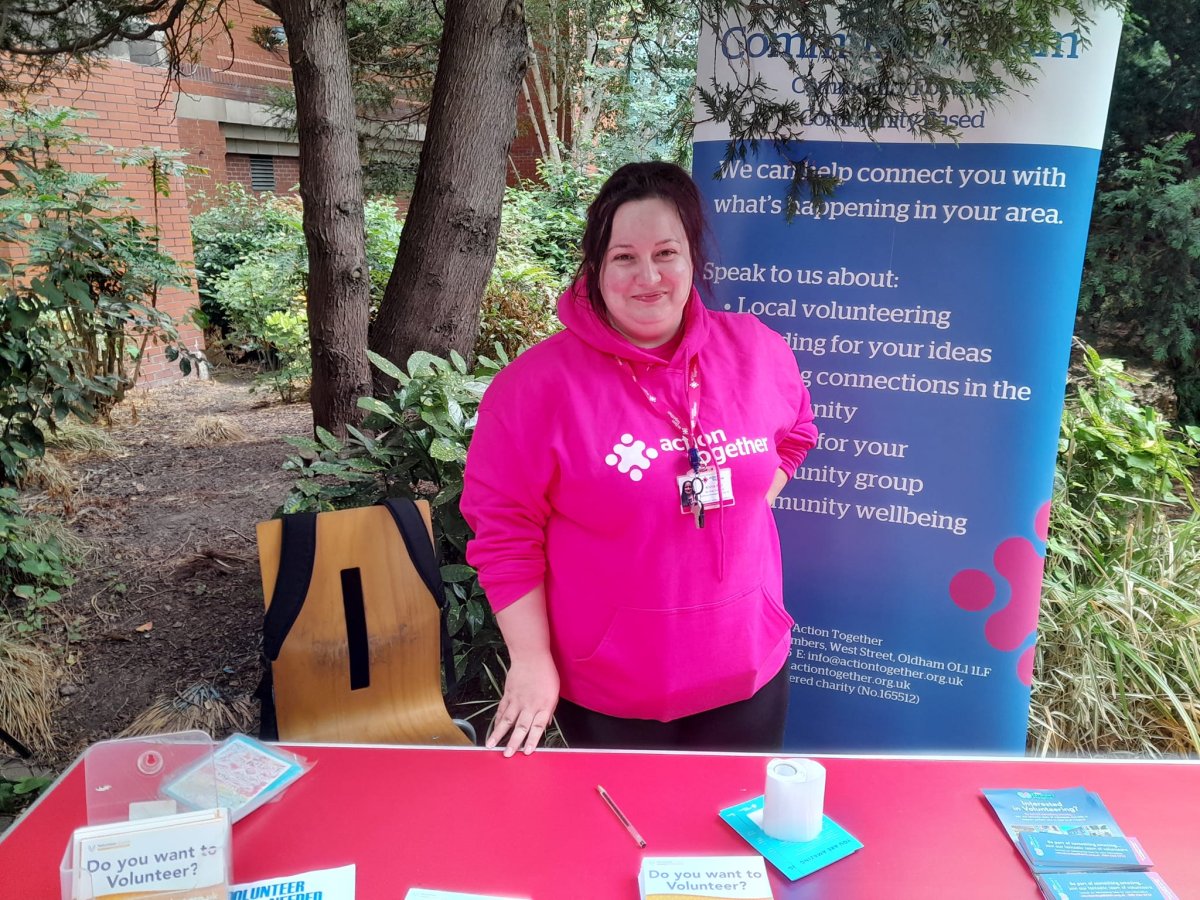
(646, 273)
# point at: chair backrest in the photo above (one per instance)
(361, 663)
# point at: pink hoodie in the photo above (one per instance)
(571, 481)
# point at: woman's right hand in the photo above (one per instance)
(525, 710)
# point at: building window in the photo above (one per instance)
(147, 52)
(262, 173)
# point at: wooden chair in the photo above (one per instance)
(361, 663)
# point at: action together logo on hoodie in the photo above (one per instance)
(632, 457)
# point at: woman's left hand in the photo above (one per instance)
(777, 484)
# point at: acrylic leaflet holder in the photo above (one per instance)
(139, 842)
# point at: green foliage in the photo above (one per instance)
(414, 444)
(1156, 88)
(236, 225)
(78, 306)
(642, 75)
(16, 794)
(542, 223)
(1118, 664)
(518, 307)
(541, 226)
(1115, 454)
(270, 280)
(383, 237)
(1143, 261)
(255, 267)
(33, 566)
(286, 332)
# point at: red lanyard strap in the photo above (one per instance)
(688, 433)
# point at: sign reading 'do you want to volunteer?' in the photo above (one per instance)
(930, 305)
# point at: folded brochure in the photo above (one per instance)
(795, 859)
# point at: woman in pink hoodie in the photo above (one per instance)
(619, 485)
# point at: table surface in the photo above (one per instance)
(469, 820)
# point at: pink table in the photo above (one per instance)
(469, 820)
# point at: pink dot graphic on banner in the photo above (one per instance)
(1025, 667)
(1041, 522)
(1019, 563)
(972, 590)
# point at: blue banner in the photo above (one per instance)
(930, 305)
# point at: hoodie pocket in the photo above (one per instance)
(667, 663)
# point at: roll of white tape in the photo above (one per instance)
(794, 805)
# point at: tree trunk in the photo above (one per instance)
(339, 291)
(448, 245)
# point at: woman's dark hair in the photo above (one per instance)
(641, 181)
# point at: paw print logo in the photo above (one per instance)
(631, 457)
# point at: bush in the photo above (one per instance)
(518, 308)
(414, 444)
(1143, 262)
(78, 305)
(237, 225)
(287, 335)
(542, 224)
(259, 298)
(1116, 456)
(271, 280)
(1118, 658)
(34, 566)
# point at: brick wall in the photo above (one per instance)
(232, 66)
(207, 144)
(237, 168)
(125, 99)
(287, 174)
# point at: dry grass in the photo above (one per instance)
(198, 706)
(210, 431)
(84, 441)
(27, 691)
(51, 529)
(47, 473)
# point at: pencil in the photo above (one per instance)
(633, 832)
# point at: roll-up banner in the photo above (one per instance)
(930, 305)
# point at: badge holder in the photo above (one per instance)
(139, 840)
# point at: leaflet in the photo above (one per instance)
(1105, 886)
(1047, 853)
(320, 884)
(1073, 811)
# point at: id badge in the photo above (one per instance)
(702, 487)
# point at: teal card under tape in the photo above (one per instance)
(795, 859)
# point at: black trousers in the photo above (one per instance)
(753, 725)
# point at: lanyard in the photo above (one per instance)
(688, 433)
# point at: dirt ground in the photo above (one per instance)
(165, 617)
